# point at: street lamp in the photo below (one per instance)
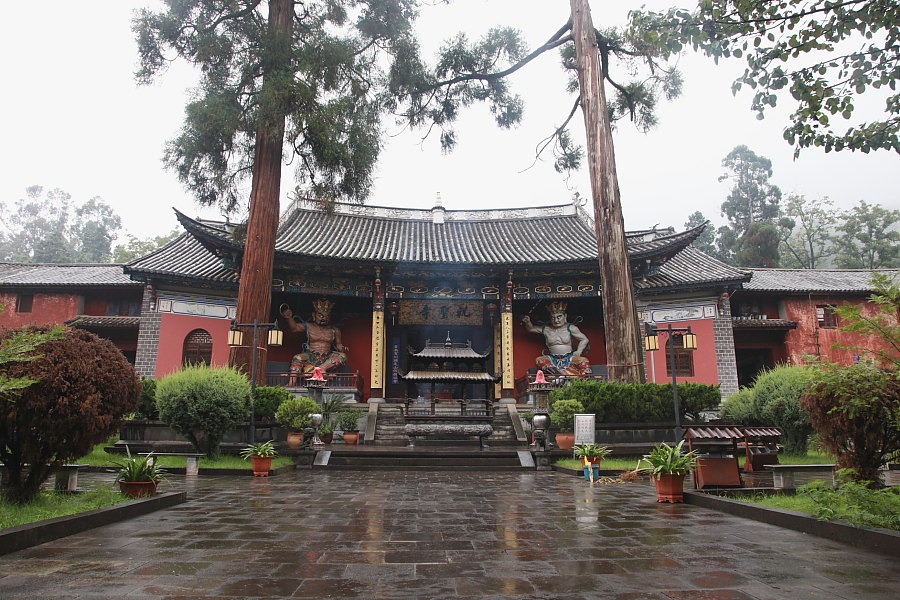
(688, 342)
(236, 339)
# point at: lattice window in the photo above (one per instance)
(684, 359)
(24, 303)
(197, 348)
(826, 317)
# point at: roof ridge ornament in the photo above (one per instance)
(437, 211)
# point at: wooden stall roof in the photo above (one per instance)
(729, 432)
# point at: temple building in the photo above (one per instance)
(366, 291)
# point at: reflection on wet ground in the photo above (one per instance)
(413, 534)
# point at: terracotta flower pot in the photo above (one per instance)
(669, 487)
(565, 441)
(137, 489)
(351, 438)
(261, 465)
(294, 439)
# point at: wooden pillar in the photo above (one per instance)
(376, 372)
(508, 382)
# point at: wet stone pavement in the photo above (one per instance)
(404, 534)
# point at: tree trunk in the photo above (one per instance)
(623, 351)
(255, 287)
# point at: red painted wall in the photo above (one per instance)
(705, 369)
(173, 329)
(528, 346)
(47, 309)
(808, 339)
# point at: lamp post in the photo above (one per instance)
(236, 339)
(688, 342)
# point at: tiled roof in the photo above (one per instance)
(814, 280)
(183, 257)
(441, 350)
(548, 235)
(448, 376)
(691, 267)
(742, 323)
(80, 275)
(93, 322)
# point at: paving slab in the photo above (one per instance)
(414, 534)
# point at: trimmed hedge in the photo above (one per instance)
(639, 402)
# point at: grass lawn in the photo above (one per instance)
(629, 462)
(101, 458)
(49, 505)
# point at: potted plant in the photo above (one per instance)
(139, 475)
(326, 432)
(667, 466)
(349, 422)
(293, 415)
(260, 455)
(562, 414)
(592, 452)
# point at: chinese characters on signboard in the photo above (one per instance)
(440, 312)
(584, 429)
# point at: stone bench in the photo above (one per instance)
(67, 478)
(787, 477)
(191, 465)
(448, 431)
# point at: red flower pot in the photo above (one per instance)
(261, 465)
(669, 487)
(137, 489)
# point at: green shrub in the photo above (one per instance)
(202, 403)
(294, 413)
(777, 391)
(856, 412)
(612, 402)
(147, 409)
(268, 399)
(349, 419)
(740, 408)
(562, 413)
(854, 502)
(84, 388)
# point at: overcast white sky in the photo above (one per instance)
(76, 120)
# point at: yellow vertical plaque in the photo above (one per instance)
(506, 337)
(377, 374)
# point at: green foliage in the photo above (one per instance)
(613, 402)
(883, 325)
(268, 399)
(758, 247)
(148, 400)
(753, 199)
(50, 505)
(139, 468)
(777, 395)
(260, 449)
(825, 54)
(44, 228)
(349, 419)
(135, 247)
(705, 242)
(294, 413)
(805, 229)
(854, 502)
(868, 238)
(563, 411)
(741, 408)
(856, 412)
(591, 451)
(666, 460)
(83, 389)
(203, 403)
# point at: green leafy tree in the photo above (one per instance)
(777, 393)
(826, 54)
(44, 227)
(868, 238)
(203, 403)
(758, 247)
(883, 326)
(136, 247)
(805, 230)
(706, 241)
(83, 388)
(856, 412)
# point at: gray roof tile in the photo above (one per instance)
(77, 275)
(814, 280)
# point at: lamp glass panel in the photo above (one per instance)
(235, 337)
(275, 337)
(651, 343)
(689, 341)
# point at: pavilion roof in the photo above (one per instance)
(815, 280)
